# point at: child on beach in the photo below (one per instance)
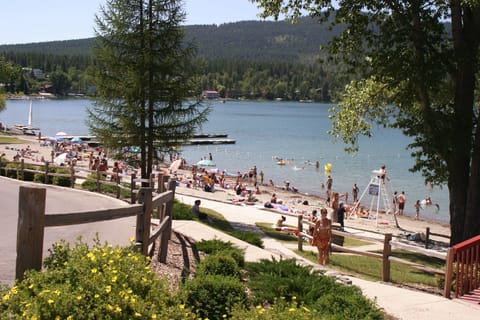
(417, 209)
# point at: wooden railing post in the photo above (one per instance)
(22, 168)
(46, 172)
(161, 183)
(30, 230)
(118, 180)
(99, 188)
(132, 188)
(166, 235)
(448, 273)
(427, 237)
(300, 232)
(72, 176)
(143, 221)
(387, 251)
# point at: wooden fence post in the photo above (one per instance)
(427, 237)
(99, 188)
(448, 273)
(143, 221)
(22, 168)
(46, 172)
(166, 235)
(117, 181)
(72, 176)
(132, 188)
(300, 232)
(387, 251)
(30, 229)
(160, 185)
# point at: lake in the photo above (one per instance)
(266, 131)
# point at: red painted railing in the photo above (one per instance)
(467, 267)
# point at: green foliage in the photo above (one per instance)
(62, 181)
(213, 296)
(279, 310)
(142, 99)
(103, 282)
(219, 247)
(218, 264)
(284, 279)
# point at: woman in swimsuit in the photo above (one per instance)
(322, 236)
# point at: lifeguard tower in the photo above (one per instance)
(379, 193)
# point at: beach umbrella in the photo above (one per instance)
(175, 165)
(206, 163)
(60, 134)
(76, 140)
(60, 159)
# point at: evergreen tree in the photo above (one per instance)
(143, 73)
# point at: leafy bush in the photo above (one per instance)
(11, 170)
(214, 296)
(216, 246)
(218, 264)
(284, 279)
(99, 283)
(62, 181)
(279, 310)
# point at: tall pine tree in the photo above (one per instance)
(143, 74)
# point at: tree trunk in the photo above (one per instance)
(462, 165)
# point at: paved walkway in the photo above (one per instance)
(399, 302)
(58, 200)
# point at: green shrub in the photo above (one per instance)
(216, 246)
(284, 279)
(28, 176)
(215, 296)
(11, 170)
(104, 282)
(62, 181)
(40, 177)
(218, 264)
(279, 310)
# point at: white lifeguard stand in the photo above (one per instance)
(379, 192)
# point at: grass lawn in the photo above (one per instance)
(371, 268)
(4, 139)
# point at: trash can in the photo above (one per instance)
(336, 239)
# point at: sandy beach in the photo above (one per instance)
(292, 203)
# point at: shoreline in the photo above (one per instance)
(292, 201)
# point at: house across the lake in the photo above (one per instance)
(210, 94)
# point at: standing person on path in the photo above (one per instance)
(322, 236)
(401, 203)
(355, 191)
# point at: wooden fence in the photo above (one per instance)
(385, 256)
(32, 222)
(98, 177)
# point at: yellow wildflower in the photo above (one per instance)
(108, 289)
(50, 301)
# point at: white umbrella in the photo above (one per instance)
(60, 134)
(175, 165)
(59, 160)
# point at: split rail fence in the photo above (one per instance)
(33, 220)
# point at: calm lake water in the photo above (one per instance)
(265, 131)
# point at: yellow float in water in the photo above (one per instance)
(328, 168)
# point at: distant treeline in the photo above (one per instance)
(250, 59)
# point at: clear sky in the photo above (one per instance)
(24, 21)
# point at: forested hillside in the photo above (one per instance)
(251, 59)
